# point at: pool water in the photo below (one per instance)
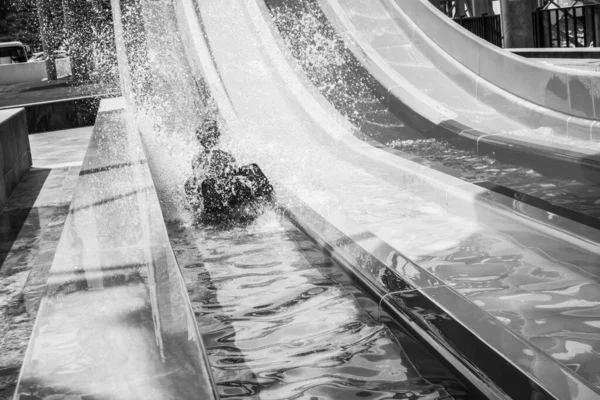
(280, 320)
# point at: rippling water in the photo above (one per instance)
(278, 324)
(554, 305)
(569, 193)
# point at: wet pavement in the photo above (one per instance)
(30, 227)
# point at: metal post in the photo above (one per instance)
(595, 22)
(557, 24)
(536, 29)
(549, 27)
(566, 15)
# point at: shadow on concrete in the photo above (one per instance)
(18, 209)
(112, 199)
(110, 167)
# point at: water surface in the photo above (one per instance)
(281, 321)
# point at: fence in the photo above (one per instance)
(488, 27)
(567, 27)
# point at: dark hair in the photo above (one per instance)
(208, 134)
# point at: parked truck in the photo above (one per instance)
(13, 53)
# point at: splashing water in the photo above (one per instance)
(275, 325)
(165, 104)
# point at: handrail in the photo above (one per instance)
(544, 28)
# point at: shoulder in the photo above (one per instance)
(221, 156)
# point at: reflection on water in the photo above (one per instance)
(554, 305)
(278, 325)
(569, 193)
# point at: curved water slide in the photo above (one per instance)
(471, 92)
(568, 92)
(373, 207)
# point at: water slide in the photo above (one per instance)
(524, 268)
(480, 94)
(325, 95)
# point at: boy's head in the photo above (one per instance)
(208, 134)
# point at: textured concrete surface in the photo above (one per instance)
(30, 227)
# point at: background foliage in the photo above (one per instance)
(19, 21)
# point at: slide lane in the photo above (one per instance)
(421, 77)
(310, 150)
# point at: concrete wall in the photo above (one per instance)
(32, 71)
(58, 115)
(15, 154)
(22, 72)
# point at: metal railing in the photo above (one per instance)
(567, 27)
(488, 27)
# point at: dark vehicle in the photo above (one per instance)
(12, 53)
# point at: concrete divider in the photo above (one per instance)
(15, 154)
(115, 320)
